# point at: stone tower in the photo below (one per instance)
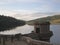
(43, 31)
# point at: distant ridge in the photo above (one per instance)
(52, 19)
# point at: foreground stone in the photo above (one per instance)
(23, 40)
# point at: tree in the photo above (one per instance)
(7, 23)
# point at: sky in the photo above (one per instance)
(29, 9)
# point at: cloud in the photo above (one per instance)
(25, 14)
(58, 1)
(19, 14)
(35, 15)
(6, 12)
(31, 16)
(15, 12)
(40, 5)
(44, 8)
(28, 14)
(26, 1)
(17, 1)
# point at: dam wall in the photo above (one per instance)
(20, 40)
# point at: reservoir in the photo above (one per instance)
(27, 29)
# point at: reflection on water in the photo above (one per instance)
(23, 29)
(27, 29)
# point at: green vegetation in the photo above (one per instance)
(7, 23)
(52, 19)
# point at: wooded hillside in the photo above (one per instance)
(7, 23)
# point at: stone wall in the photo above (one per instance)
(35, 42)
(20, 40)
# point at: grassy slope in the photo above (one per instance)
(55, 21)
(52, 19)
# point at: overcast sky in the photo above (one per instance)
(29, 9)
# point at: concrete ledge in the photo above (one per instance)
(35, 42)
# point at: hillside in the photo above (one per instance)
(52, 19)
(7, 23)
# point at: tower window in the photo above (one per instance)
(37, 30)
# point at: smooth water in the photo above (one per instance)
(23, 29)
(56, 34)
(27, 29)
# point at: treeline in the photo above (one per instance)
(7, 23)
(51, 19)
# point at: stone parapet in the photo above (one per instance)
(23, 41)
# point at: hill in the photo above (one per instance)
(52, 19)
(7, 23)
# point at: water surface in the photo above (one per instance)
(56, 33)
(27, 29)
